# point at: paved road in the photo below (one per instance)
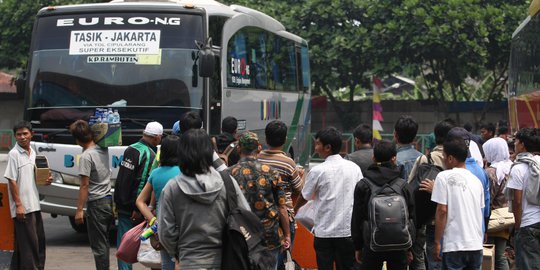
(66, 249)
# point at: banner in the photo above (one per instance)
(377, 110)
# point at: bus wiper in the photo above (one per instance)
(138, 121)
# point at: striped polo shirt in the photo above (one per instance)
(286, 167)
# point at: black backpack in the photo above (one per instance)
(389, 227)
(244, 246)
(425, 208)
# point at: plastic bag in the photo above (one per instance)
(148, 256)
(129, 245)
(306, 215)
(290, 264)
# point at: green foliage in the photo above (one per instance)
(441, 43)
(454, 49)
(16, 25)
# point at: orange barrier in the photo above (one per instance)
(303, 250)
(6, 230)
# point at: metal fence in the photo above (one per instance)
(422, 142)
(7, 140)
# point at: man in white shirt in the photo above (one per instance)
(526, 213)
(458, 219)
(24, 202)
(331, 186)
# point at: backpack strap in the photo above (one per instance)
(230, 148)
(429, 159)
(229, 189)
(396, 185)
(372, 186)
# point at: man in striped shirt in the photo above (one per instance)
(292, 176)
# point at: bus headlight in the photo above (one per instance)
(57, 177)
(71, 179)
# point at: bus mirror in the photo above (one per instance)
(206, 59)
(20, 83)
(207, 62)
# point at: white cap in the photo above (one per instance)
(153, 129)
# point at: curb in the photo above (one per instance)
(3, 157)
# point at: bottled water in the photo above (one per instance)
(116, 117)
(110, 116)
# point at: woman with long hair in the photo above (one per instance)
(193, 206)
(167, 170)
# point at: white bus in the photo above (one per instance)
(154, 61)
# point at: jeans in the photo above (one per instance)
(283, 255)
(124, 225)
(99, 219)
(432, 264)
(395, 260)
(501, 262)
(462, 260)
(418, 250)
(167, 262)
(338, 250)
(527, 247)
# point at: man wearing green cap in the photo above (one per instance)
(264, 190)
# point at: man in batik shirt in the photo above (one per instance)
(264, 191)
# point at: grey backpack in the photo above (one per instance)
(389, 227)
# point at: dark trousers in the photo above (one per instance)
(395, 260)
(527, 247)
(418, 250)
(29, 250)
(99, 219)
(338, 250)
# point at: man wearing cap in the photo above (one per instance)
(132, 175)
(264, 190)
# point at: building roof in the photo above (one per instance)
(6, 85)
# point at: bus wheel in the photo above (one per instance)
(78, 228)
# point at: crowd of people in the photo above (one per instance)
(385, 202)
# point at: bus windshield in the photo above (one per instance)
(523, 75)
(139, 64)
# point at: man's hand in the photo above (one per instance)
(410, 257)
(437, 252)
(286, 243)
(427, 185)
(358, 256)
(49, 180)
(79, 217)
(20, 213)
(135, 216)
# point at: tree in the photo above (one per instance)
(336, 41)
(16, 28)
(445, 42)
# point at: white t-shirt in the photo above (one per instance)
(332, 184)
(20, 168)
(519, 176)
(463, 195)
